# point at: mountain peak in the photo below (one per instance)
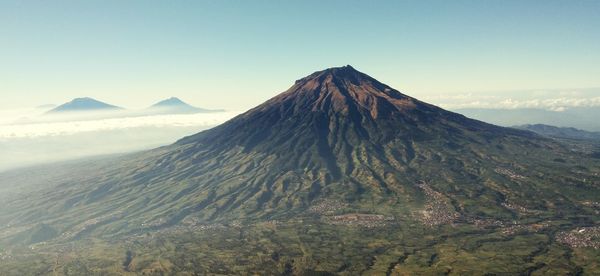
(332, 102)
(170, 102)
(84, 104)
(342, 70)
(344, 90)
(174, 105)
(340, 73)
(83, 99)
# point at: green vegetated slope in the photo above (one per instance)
(339, 174)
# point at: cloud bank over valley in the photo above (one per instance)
(28, 139)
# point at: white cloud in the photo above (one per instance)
(556, 100)
(41, 129)
(27, 138)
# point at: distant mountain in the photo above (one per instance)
(561, 132)
(578, 117)
(174, 105)
(84, 104)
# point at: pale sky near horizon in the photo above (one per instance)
(236, 54)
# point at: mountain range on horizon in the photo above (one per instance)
(561, 132)
(338, 167)
(584, 118)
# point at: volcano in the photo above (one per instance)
(84, 104)
(337, 148)
(174, 105)
(336, 134)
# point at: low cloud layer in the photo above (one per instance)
(555, 100)
(41, 129)
(27, 139)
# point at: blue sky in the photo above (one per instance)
(236, 54)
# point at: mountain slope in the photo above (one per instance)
(84, 104)
(338, 174)
(337, 134)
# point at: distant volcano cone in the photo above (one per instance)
(174, 105)
(170, 102)
(84, 104)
